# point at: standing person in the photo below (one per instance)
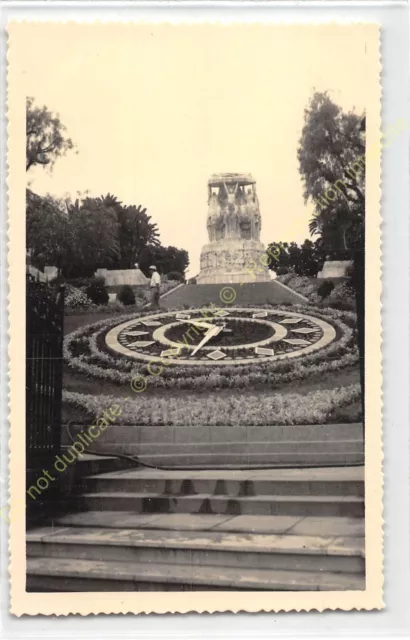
(154, 284)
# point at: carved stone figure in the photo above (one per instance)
(234, 225)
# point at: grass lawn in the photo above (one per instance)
(73, 322)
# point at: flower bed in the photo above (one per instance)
(75, 300)
(82, 305)
(341, 295)
(85, 351)
(247, 410)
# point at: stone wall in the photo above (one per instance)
(335, 269)
(36, 273)
(113, 277)
(51, 272)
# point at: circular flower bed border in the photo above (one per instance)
(85, 352)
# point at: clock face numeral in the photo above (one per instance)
(237, 336)
(262, 351)
(136, 333)
(150, 323)
(169, 353)
(141, 343)
(304, 331)
(216, 355)
(291, 320)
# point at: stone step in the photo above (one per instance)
(178, 434)
(235, 446)
(88, 464)
(289, 448)
(62, 574)
(351, 506)
(339, 527)
(246, 460)
(129, 482)
(201, 548)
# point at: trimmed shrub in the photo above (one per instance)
(282, 271)
(176, 275)
(325, 289)
(97, 292)
(342, 297)
(192, 281)
(126, 295)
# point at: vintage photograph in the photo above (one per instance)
(197, 237)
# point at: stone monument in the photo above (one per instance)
(235, 253)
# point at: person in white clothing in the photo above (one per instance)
(154, 284)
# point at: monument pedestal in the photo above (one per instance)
(233, 262)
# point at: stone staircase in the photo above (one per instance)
(197, 295)
(146, 529)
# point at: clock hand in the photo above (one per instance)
(211, 333)
(199, 323)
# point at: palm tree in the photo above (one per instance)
(136, 231)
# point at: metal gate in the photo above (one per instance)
(44, 362)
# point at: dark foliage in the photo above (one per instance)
(325, 289)
(97, 292)
(126, 295)
(175, 275)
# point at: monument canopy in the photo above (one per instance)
(218, 179)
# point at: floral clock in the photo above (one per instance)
(224, 337)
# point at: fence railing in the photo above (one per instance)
(44, 362)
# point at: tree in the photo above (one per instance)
(76, 237)
(331, 162)
(304, 260)
(45, 136)
(136, 231)
(166, 259)
(310, 260)
(93, 236)
(82, 236)
(47, 230)
(332, 165)
(278, 256)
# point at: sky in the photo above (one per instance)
(155, 110)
